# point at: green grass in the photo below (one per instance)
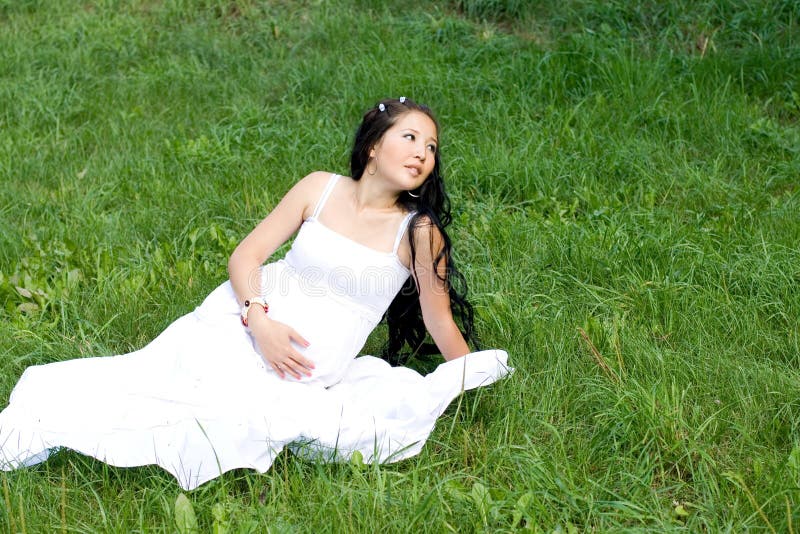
(628, 169)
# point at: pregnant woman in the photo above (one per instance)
(268, 360)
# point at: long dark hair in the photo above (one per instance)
(432, 205)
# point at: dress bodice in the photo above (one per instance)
(332, 265)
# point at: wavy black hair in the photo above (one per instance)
(432, 205)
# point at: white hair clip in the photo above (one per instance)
(402, 100)
(381, 107)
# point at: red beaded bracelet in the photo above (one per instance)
(246, 308)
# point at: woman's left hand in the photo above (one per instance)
(274, 340)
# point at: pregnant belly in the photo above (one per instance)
(335, 333)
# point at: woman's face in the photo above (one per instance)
(405, 155)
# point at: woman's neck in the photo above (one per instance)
(372, 195)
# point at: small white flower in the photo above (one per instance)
(402, 100)
(381, 107)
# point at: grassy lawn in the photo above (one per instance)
(625, 179)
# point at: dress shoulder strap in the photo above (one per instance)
(325, 194)
(402, 230)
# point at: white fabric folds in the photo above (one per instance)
(188, 408)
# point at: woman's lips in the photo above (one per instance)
(414, 170)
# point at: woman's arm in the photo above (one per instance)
(274, 338)
(271, 233)
(434, 298)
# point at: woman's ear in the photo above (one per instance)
(373, 150)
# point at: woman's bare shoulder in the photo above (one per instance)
(310, 188)
(314, 180)
(317, 180)
(424, 227)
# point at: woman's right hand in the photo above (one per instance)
(274, 340)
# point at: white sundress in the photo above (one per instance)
(199, 400)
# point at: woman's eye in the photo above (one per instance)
(432, 148)
(409, 136)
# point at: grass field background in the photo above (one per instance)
(625, 180)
